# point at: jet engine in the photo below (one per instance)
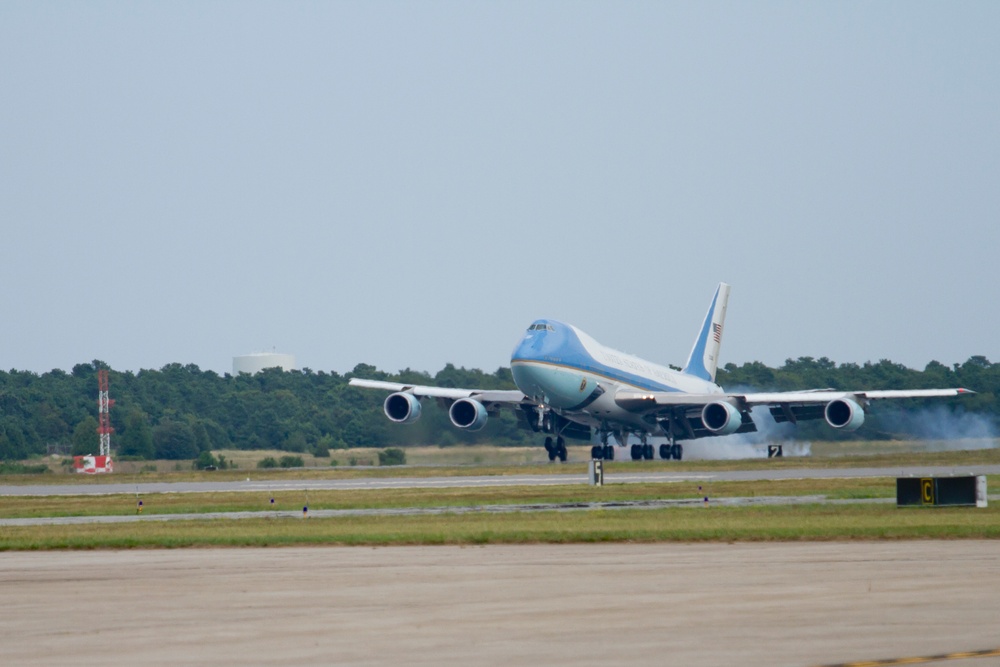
(844, 413)
(721, 418)
(468, 414)
(402, 408)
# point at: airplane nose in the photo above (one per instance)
(529, 347)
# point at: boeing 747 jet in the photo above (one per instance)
(571, 386)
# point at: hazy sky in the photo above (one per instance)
(408, 184)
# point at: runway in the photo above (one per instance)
(746, 604)
(749, 604)
(613, 475)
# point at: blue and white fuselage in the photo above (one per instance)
(566, 370)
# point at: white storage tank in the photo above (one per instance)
(254, 363)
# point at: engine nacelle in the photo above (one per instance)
(468, 414)
(844, 413)
(721, 418)
(402, 408)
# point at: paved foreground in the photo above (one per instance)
(796, 604)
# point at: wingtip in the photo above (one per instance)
(963, 390)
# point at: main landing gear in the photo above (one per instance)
(603, 452)
(673, 451)
(639, 452)
(644, 452)
(557, 448)
(669, 450)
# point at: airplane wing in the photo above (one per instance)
(826, 395)
(469, 408)
(447, 393)
(847, 406)
(637, 401)
(729, 412)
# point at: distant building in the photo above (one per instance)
(255, 363)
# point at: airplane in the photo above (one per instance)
(571, 386)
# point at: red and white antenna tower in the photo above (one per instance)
(103, 415)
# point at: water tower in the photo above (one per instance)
(255, 363)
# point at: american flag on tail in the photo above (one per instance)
(717, 332)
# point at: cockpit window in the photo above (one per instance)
(541, 327)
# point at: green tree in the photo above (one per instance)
(393, 456)
(174, 440)
(201, 439)
(137, 436)
(205, 460)
(49, 424)
(13, 444)
(322, 447)
(85, 438)
(295, 442)
(291, 461)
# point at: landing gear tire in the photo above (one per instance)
(647, 452)
(550, 449)
(677, 452)
(596, 452)
(609, 453)
(665, 452)
(561, 449)
(636, 452)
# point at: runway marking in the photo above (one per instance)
(916, 660)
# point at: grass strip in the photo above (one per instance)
(248, 501)
(720, 524)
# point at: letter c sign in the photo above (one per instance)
(927, 490)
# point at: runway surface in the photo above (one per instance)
(613, 475)
(749, 605)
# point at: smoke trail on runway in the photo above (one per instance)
(737, 447)
(935, 428)
(749, 445)
(943, 429)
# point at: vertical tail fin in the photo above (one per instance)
(704, 359)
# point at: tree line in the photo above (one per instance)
(179, 411)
